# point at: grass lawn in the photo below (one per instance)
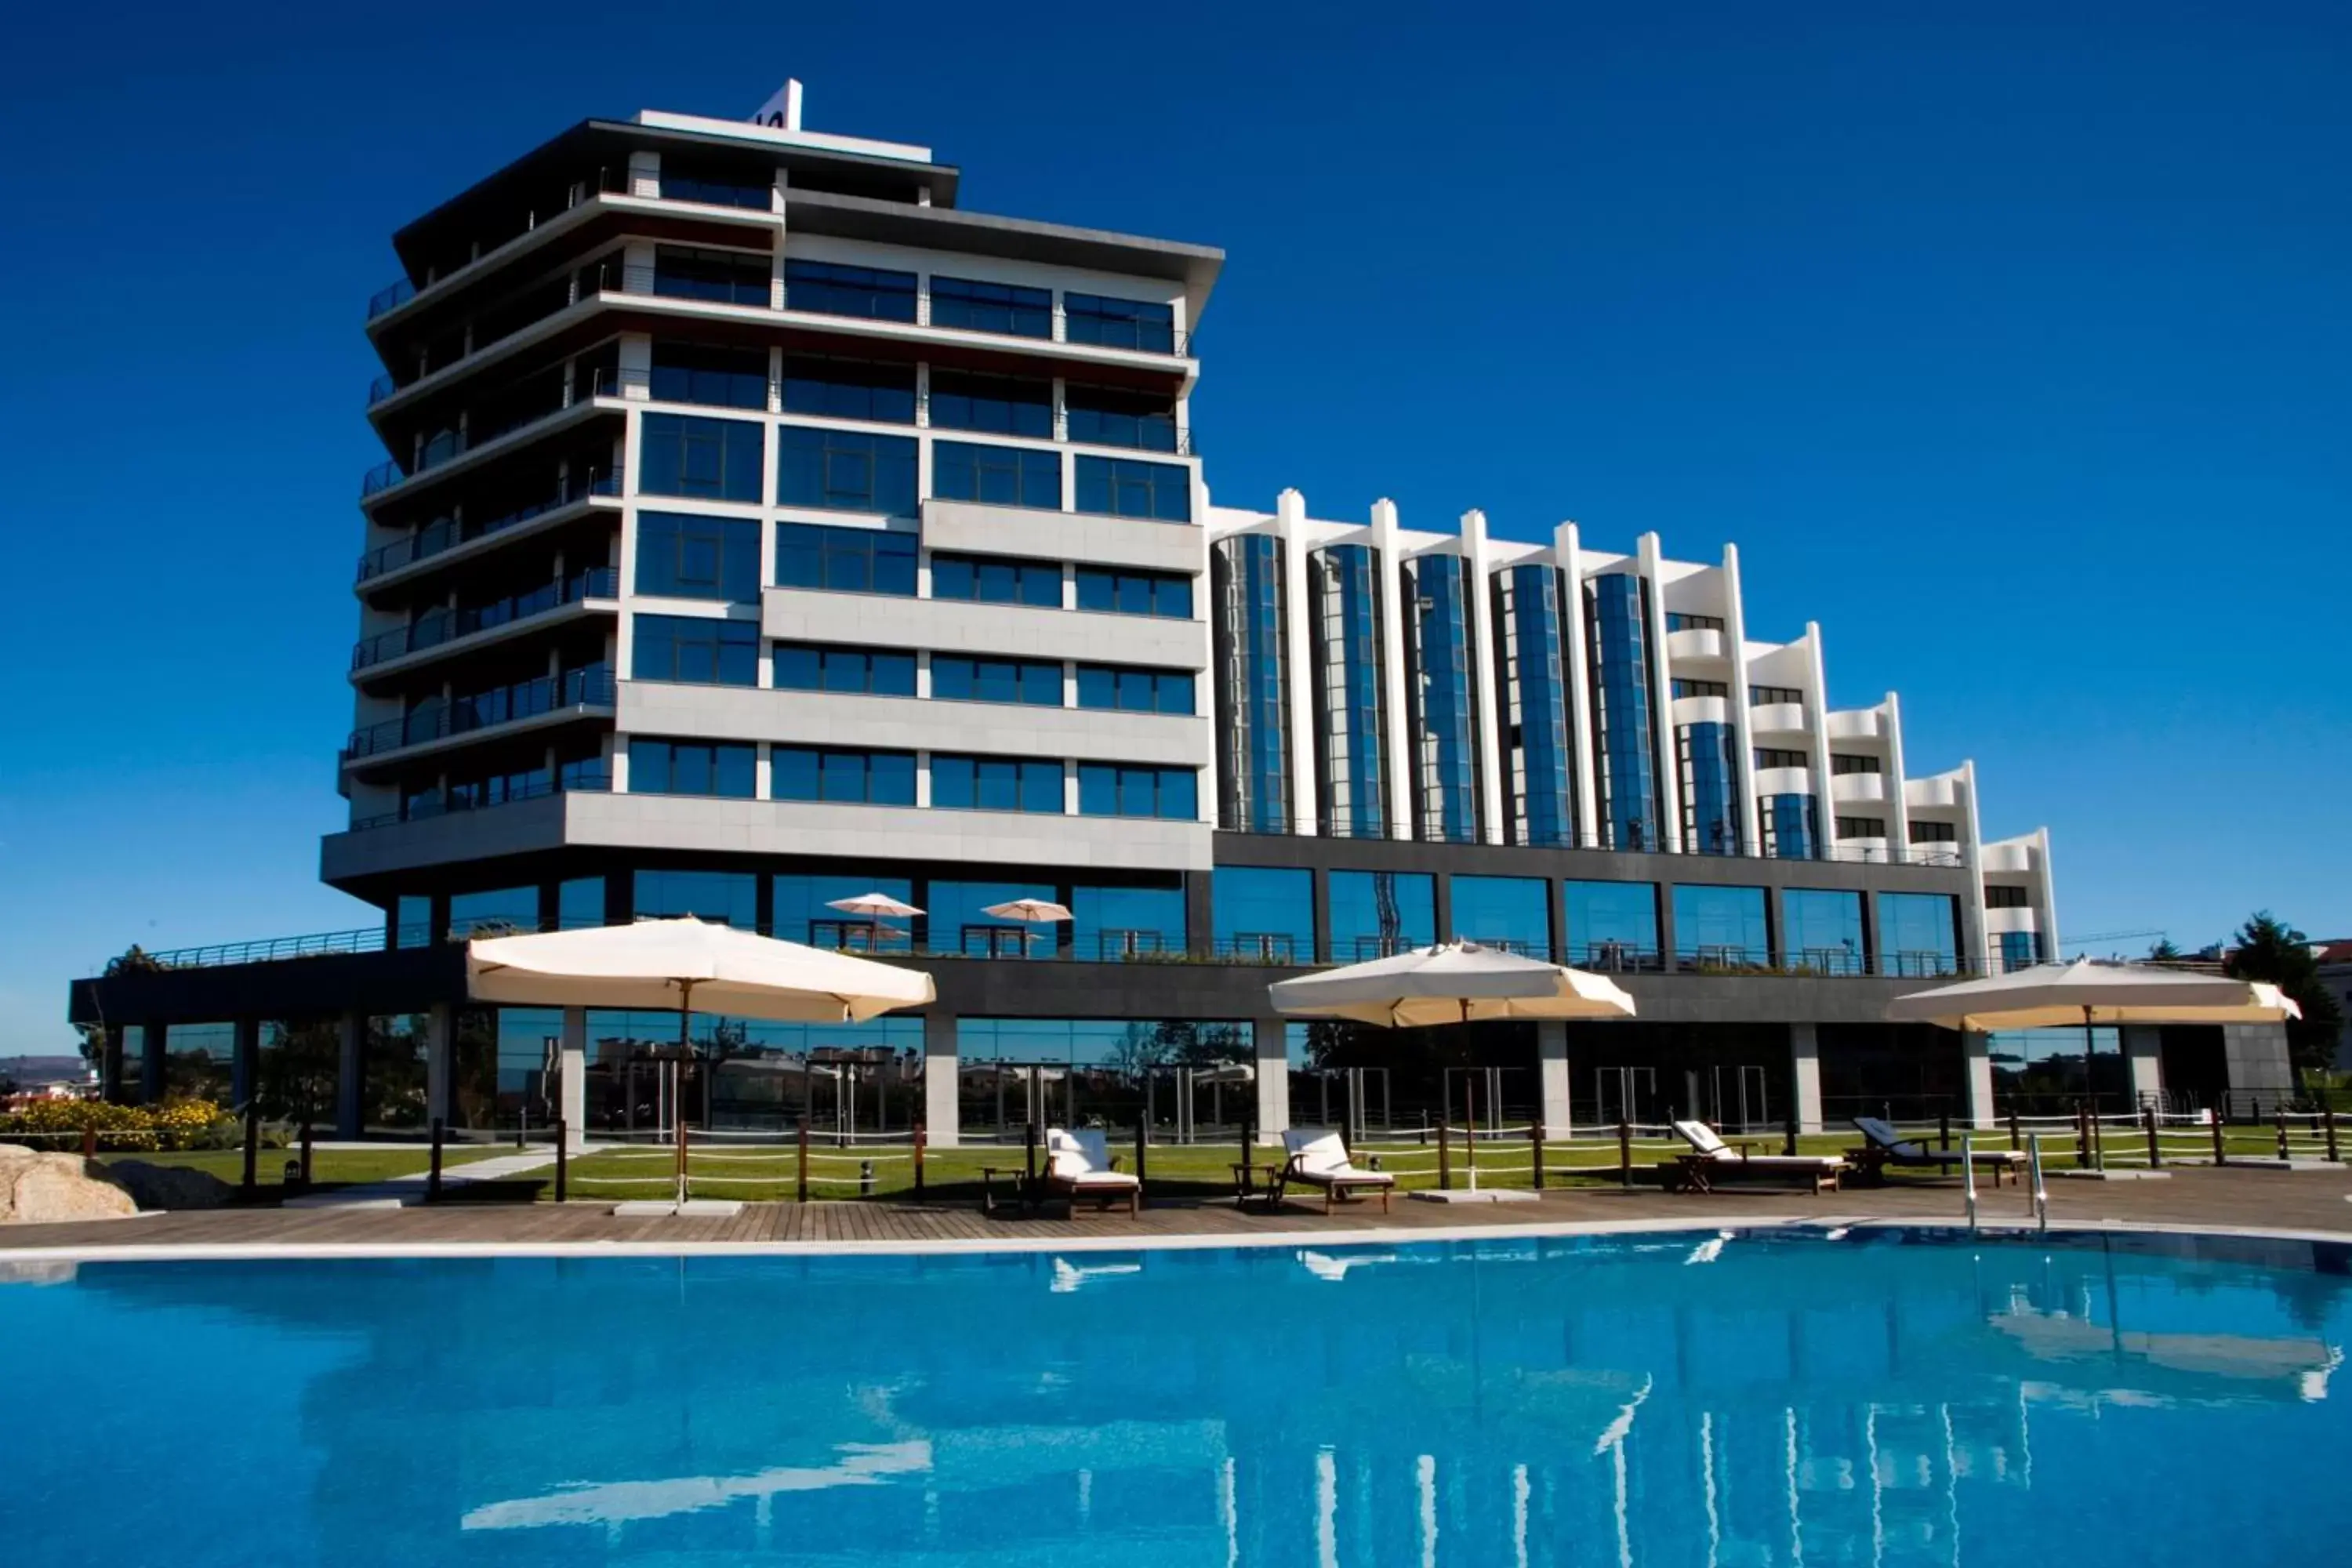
(328, 1167)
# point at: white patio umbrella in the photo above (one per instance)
(1455, 982)
(876, 908)
(1031, 912)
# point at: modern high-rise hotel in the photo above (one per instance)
(762, 528)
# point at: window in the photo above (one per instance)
(1376, 913)
(996, 580)
(1699, 688)
(1842, 763)
(1000, 404)
(960, 921)
(844, 470)
(1119, 323)
(805, 911)
(1918, 933)
(701, 372)
(845, 560)
(1934, 833)
(1776, 757)
(996, 476)
(1759, 696)
(682, 556)
(2020, 949)
(710, 459)
(830, 288)
(1110, 789)
(1263, 913)
(1679, 621)
(690, 767)
(1038, 682)
(1135, 593)
(502, 908)
(816, 666)
(1704, 757)
(849, 388)
(695, 650)
(1860, 826)
(1121, 487)
(1114, 417)
(411, 920)
(579, 903)
(1509, 912)
(978, 307)
(1613, 925)
(1721, 926)
(1790, 825)
(823, 773)
(721, 277)
(731, 897)
(996, 783)
(718, 186)
(1116, 923)
(1132, 691)
(1824, 931)
(1997, 896)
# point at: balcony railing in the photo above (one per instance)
(589, 687)
(589, 781)
(390, 297)
(600, 381)
(448, 626)
(446, 534)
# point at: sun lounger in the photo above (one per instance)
(1887, 1147)
(1079, 1165)
(1317, 1157)
(1712, 1160)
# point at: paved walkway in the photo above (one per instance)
(2300, 1202)
(408, 1192)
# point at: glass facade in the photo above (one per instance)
(831, 289)
(1440, 718)
(996, 476)
(999, 404)
(1032, 681)
(1721, 927)
(710, 374)
(497, 909)
(835, 774)
(958, 920)
(1824, 931)
(1252, 685)
(1510, 913)
(1119, 323)
(690, 767)
(681, 555)
(708, 459)
(1111, 924)
(694, 649)
(2020, 949)
(819, 666)
(579, 903)
(845, 560)
(1130, 690)
(1126, 487)
(848, 388)
(731, 898)
(1263, 913)
(1005, 308)
(804, 913)
(1918, 933)
(1791, 825)
(1533, 678)
(1376, 913)
(1617, 624)
(996, 783)
(1613, 925)
(844, 470)
(996, 580)
(1118, 416)
(1351, 783)
(1706, 753)
(1120, 789)
(1121, 593)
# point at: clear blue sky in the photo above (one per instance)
(2013, 344)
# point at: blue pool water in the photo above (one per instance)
(1664, 1400)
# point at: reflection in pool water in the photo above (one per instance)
(1713, 1399)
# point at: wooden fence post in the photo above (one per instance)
(921, 1143)
(1624, 1153)
(253, 1144)
(562, 1159)
(1444, 1154)
(2327, 1120)
(2014, 1141)
(2221, 1145)
(1534, 1148)
(2155, 1155)
(801, 1189)
(2280, 1115)
(433, 1175)
(306, 1154)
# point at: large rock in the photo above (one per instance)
(38, 1187)
(170, 1187)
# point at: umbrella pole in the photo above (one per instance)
(678, 1091)
(2090, 1083)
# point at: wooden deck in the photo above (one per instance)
(2189, 1198)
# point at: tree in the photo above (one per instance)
(2162, 951)
(2269, 948)
(132, 959)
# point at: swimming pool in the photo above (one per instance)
(1674, 1399)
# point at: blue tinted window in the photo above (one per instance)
(1110, 789)
(687, 557)
(828, 774)
(1163, 594)
(2020, 949)
(845, 560)
(996, 580)
(978, 307)
(1116, 923)
(1824, 931)
(999, 404)
(820, 666)
(1612, 924)
(1253, 739)
(690, 767)
(849, 389)
(1617, 626)
(957, 679)
(721, 277)
(958, 920)
(722, 187)
(1263, 913)
(1133, 691)
(1115, 416)
(1536, 759)
(1710, 780)
(996, 783)
(804, 913)
(705, 373)
(833, 289)
(1791, 823)
(1438, 700)
(1918, 933)
(731, 897)
(694, 648)
(1345, 586)
(579, 903)
(1119, 323)
(1375, 914)
(1720, 925)
(1511, 913)
(500, 909)
(710, 459)
(844, 470)
(1124, 486)
(998, 476)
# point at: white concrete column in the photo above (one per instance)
(1552, 1078)
(1486, 671)
(1580, 687)
(1298, 658)
(942, 1106)
(1898, 801)
(1817, 718)
(1978, 1051)
(1396, 743)
(2143, 1047)
(1805, 1075)
(644, 174)
(1975, 948)
(1273, 1040)
(2046, 917)
(440, 1030)
(1734, 623)
(1668, 829)
(572, 1102)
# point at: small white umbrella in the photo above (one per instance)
(1457, 983)
(876, 908)
(1032, 911)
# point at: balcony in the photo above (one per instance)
(957, 626)
(391, 297)
(1777, 718)
(591, 780)
(1697, 643)
(446, 534)
(1857, 789)
(449, 625)
(577, 691)
(508, 430)
(1856, 725)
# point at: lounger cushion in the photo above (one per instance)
(1073, 1154)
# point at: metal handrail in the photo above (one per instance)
(448, 626)
(389, 297)
(603, 381)
(445, 534)
(595, 780)
(591, 687)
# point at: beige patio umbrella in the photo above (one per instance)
(877, 907)
(1030, 911)
(1458, 983)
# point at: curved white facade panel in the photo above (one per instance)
(1855, 724)
(1858, 789)
(1777, 718)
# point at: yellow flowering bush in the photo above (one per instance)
(175, 1124)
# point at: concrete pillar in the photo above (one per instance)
(245, 1061)
(153, 1040)
(572, 1088)
(440, 1029)
(942, 1114)
(351, 1068)
(2144, 1048)
(1552, 1077)
(1273, 1039)
(1805, 1075)
(110, 1064)
(1977, 1050)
